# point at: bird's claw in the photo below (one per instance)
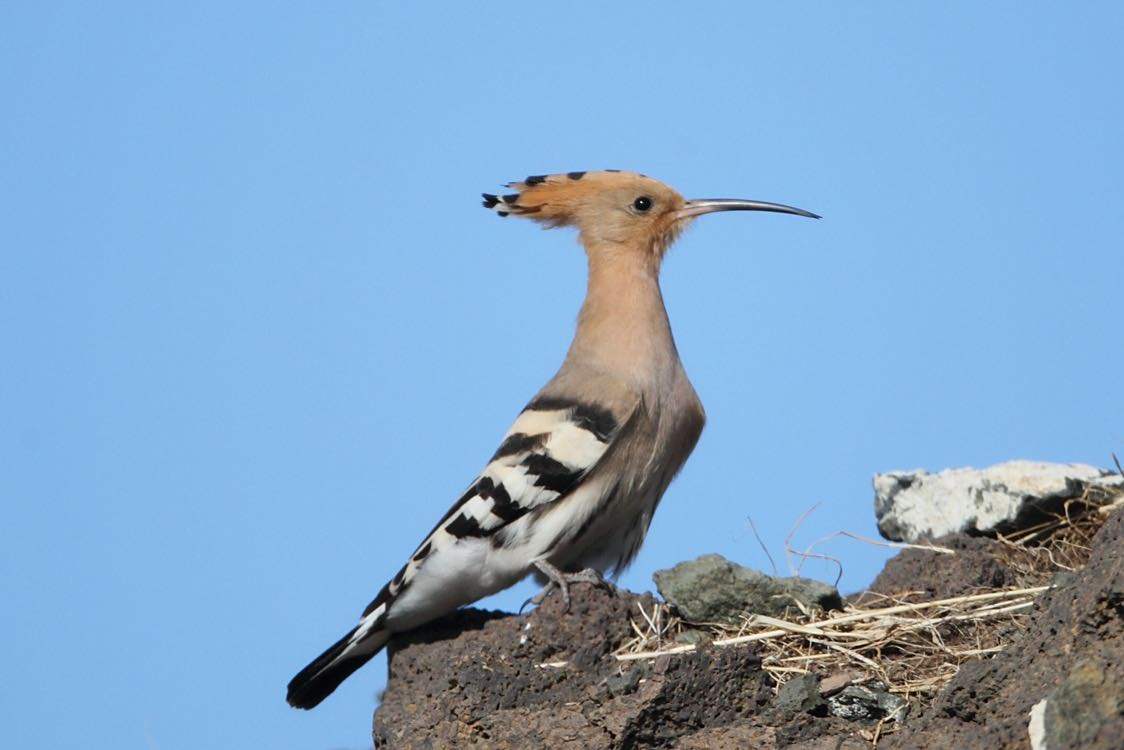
(540, 597)
(557, 579)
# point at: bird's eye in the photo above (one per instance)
(643, 203)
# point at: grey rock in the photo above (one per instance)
(713, 589)
(693, 637)
(1073, 635)
(800, 695)
(859, 703)
(625, 684)
(1082, 707)
(915, 505)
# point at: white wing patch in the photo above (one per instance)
(549, 449)
(574, 446)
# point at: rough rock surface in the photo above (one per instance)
(1073, 655)
(915, 505)
(800, 695)
(974, 566)
(713, 589)
(493, 680)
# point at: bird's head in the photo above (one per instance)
(614, 209)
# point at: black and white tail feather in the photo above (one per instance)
(511, 516)
(319, 679)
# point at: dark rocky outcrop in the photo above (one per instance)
(548, 678)
(977, 564)
(495, 681)
(1072, 655)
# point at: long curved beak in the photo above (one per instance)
(702, 206)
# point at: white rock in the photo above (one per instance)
(1036, 728)
(911, 505)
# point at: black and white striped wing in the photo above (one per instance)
(545, 454)
(553, 444)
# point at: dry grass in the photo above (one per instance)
(911, 645)
(1062, 542)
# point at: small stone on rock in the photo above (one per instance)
(713, 589)
(692, 637)
(623, 684)
(833, 683)
(859, 703)
(800, 695)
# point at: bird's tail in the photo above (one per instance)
(316, 682)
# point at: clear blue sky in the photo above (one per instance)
(259, 333)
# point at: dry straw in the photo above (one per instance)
(912, 645)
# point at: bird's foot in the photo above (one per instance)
(556, 579)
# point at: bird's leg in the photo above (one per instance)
(556, 578)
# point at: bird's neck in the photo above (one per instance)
(623, 326)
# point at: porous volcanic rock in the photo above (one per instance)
(1072, 655)
(547, 679)
(976, 565)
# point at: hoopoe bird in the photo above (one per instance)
(570, 492)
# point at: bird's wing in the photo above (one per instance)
(554, 443)
(552, 446)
